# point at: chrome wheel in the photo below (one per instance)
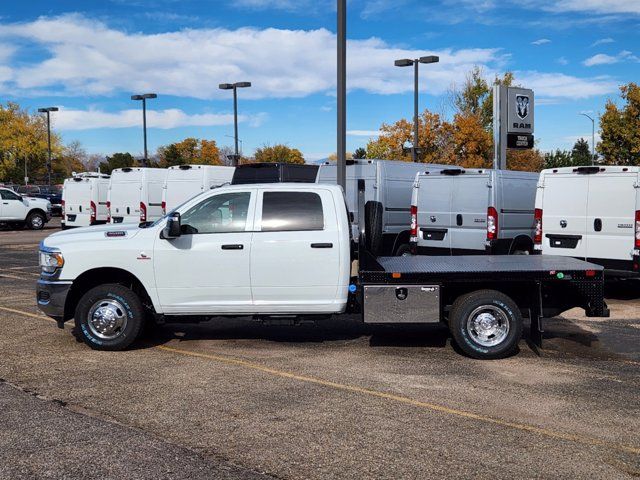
(37, 222)
(488, 325)
(107, 319)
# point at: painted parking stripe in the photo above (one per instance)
(546, 432)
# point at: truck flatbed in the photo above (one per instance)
(485, 264)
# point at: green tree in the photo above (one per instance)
(557, 159)
(278, 153)
(117, 160)
(620, 129)
(581, 153)
(23, 145)
(189, 151)
(360, 153)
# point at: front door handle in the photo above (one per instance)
(233, 246)
(597, 224)
(322, 245)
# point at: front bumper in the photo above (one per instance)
(51, 296)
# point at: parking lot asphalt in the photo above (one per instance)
(331, 400)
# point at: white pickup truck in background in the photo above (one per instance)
(281, 252)
(27, 211)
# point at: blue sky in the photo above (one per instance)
(88, 57)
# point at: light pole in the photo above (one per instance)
(593, 137)
(341, 141)
(407, 62)
(235, 87)
(48, 111)
(144, 97)
(239, 140)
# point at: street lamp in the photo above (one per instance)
(235, 87)
(593, 137)
(48, 111)
(144, 97)
(407, 62)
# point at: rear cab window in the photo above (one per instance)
(284, 211)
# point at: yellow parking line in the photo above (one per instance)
(410, 401)
(570, 437)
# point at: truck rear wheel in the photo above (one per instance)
(109, 317)
(486, 324)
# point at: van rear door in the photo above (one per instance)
(434, 213)
(469, 202)
(564, 220)
(611, 209)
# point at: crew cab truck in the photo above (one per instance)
(84, 200)
(458, 211)
(283, 251)
(591, 213)
(31, 212)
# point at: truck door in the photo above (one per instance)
(206, 269)
(469, 202)
(610, 225)
(434, 214)
(295, 258)
(12, 207)
(564, 219)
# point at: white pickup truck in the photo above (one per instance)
(279, 252)
(30, 211)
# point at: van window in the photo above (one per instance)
(223, 213)
(286, 211)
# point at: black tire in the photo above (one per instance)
(121, 300)
(403, 250)
(35, 221)
(373, 212)
(501, 308)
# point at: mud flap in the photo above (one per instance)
(535, 315)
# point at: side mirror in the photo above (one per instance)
(173, 228)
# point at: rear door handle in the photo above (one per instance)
(597, 224)
(322, 245)
(233, 246)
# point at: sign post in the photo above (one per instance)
(513, 121)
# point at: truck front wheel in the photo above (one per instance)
(35, 221)
(109, 317)
(486, 324)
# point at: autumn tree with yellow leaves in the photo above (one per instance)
(278, 153)
(190, 151)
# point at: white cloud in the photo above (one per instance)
(604, 59)
(602, 41)
(541, 41)
(562, 61)
(88, 58)
(559, 85)
(594, 6)
(364, 133)
(70, 119)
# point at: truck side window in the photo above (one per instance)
(224, 213)
(8, 195)
(287, 211)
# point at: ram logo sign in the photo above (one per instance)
(520, 110)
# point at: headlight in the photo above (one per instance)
(50, 261)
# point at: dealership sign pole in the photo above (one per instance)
(513, 121)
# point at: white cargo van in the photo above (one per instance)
(593, 213)
(84, 200)
(457, 211)
(135, 194)
(186, 181)
(388, 182)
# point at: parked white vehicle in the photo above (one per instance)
(84, 200)
(468, 212)
(20, 211)
(591, 213)
(135, 194)
(282, 252)
(389, 183)
(186, 181)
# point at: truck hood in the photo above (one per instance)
(36, 202)
(96, 233)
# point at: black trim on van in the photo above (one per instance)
(563, 241)
(437, 234)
